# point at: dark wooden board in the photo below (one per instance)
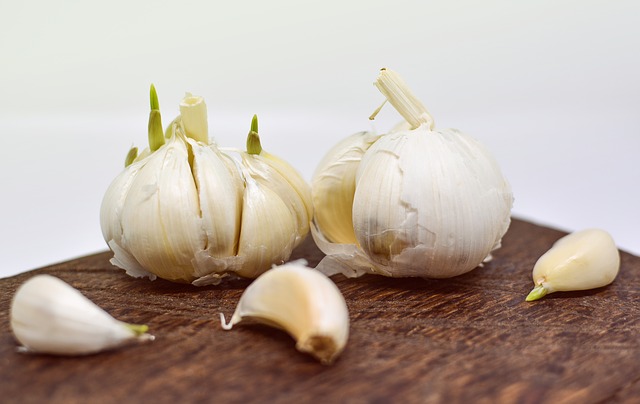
(468, 339)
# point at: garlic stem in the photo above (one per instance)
(131, 156)
(156, 135)
(377, 111)
(403, 100)
(253, 140)
(537, 293)
(194, 118)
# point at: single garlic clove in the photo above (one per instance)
(163, 228)
(276, 174)
(268, 229)
(583, 260)
(261, 170)
(49, 316)
(220, 194)
(113, 202)
(301, 301)
(333, 186)
(296, 181)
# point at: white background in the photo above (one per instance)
(551, 87)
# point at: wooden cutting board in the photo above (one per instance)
(468, 339)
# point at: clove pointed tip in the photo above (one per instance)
(153, 96)
(138, 329)
(253, 139)
(131, 156)
(536, 293)
(254, 123)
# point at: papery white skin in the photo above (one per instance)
(191, 212)
(49, 316)
(444, 208)
(582, 260)
(426, 203)
(301, 301)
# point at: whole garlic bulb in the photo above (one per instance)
(188, 211)
(426, 203)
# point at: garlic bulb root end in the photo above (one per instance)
(321, 347)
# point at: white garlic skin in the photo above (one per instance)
(301, 301)
(49, 316)
(582, 260)
(430, 203)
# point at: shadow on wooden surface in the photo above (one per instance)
(468, 339)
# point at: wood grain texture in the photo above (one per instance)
(468, 339)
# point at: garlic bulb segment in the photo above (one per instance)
(333, 187)
(268, 229)
(301, 301)
(426, 203)
(49, 316)
(273, 172)
(583, 260)
(190, 212)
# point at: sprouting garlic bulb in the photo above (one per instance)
(583, 260)
(420, 202)
(303, 302)
(49, 316)
(187, 211)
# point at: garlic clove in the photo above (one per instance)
(111, 220)
(113, 202)
(582, 260)
(333, 187)
(162, 214)
(273, 172)
(219, 193)
(49, 316)
(263, 172)
(301, 301)
(268, 229)
(295, 180)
